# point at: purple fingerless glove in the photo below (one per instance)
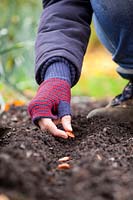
(51, 101)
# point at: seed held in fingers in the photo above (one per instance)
(63, 166)
(70, 134)
(64, 159)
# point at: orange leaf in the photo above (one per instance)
(7, 107)
(18, 103)
(14, 103)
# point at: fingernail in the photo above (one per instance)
(69, 127)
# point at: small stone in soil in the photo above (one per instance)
(64, 159)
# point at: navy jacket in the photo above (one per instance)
(63, 31)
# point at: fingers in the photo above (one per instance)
(65, 111)
(48, 124)
(66, 123)
(57, 121)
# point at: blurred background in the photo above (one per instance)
(18, 26)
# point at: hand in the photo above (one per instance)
(51, 106)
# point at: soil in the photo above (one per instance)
(101, 158)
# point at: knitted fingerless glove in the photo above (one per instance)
(51, 101)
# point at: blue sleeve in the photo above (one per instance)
(64, 31)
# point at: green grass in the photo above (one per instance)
(99, 87)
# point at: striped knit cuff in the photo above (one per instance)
(58, 70)
(63, 62)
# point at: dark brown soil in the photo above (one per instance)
(101, 158)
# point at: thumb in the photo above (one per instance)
(64, 109)
(66, 123)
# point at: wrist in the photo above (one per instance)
(59, 59)
(58, 70)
